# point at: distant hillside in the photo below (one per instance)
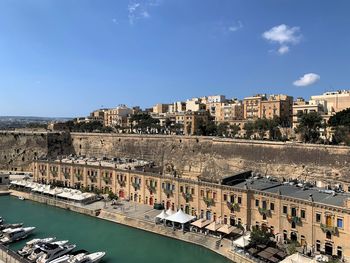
(15, 122)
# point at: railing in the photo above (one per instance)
(66, 175)
(107, 180)
(121, 183)
(209, 201)
(233, 206)
(54, 173)
(151, 188)
(332, 229)
(187, 197)
(264, 211)
(295, 219)
(136, 186)
(79, 177)
(93, 178)
(167, 191)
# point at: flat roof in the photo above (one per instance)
(319, 195)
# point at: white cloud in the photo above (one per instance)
(284, 36)
(237, 26)
(306, 80)
(283, 50)
(141, 9)
(115, 21)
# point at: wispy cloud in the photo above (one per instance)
(138, 10)
(307, 80)
(235, 26)
(283, 35)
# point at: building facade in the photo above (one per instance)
(318, 219)
(336, 100)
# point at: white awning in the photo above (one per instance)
(162, 215)
(170, 212)
(298, 258)
(242, 241)
(180, 217)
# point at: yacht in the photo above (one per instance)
(4, 226)
(38, 251)
(21, 198)
(1, 220)
(51, 252)
(13, 234)
(80, 257)
(33, 244)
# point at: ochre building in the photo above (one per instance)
(318, 219)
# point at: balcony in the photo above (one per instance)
(151, 188)
(187, 197)
(332, 229)
(107, 180)
(136, 186)
(93, 178)
(264, 211)
(295, 219)
(121, 183)
(168, 191)
(233, 206)
(79, 177)
(54, 173)
(66, 175)
(209, 201)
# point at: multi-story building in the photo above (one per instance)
(280, 106)
(99, 115)
(160, 108)
(191, 120)
(318, 219)
(252, 106)
(230, 111)
(336, 100)
(117, 116)
(195, 104)
(301, 106)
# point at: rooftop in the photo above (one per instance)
(304, 191)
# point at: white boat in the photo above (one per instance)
(38, 251)
(33, 244)
(1, 220)
(51, 252)
(13, 234)
(2, 227)
(21, 198)
(80, 257)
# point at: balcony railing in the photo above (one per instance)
(168, 191)
(332, 229)
(66, 175)
(93, 178)
(151, 188)
(295, 219)
(54, 173)
(264, 211)
(187, 197)
(121, 183)
(107, 180)
(136, 186)
(79, 177)
(233, 206)
(209, 201)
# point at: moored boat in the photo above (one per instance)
(51, 252)
(32, 244)
(13, 234)
(38, 251)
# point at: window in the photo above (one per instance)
(272, 206)
(239, 200)
(232, 199)
(181, 189)
(293, 211)
(340, 222)
(318, 245)
(256, 202)
(284, 209)
(264, 204)
(302, 213)
(214, 195)
(339, 252)
(202, 193)
(318, 217)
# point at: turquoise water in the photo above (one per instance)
(121, 243)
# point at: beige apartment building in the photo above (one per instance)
(191, 120)
(318, 219)
(117, 116)
(336, 100)
(301, 106)
(160, 108)
(252, 106)
(230, 111)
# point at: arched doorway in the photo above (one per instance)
(293, 236)
(151, 201)
(121, 194)
(328, 249)
(135, 197)
(167, 205)
(187, 209)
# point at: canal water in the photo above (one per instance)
(122, 244)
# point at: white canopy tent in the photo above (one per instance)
(242, 241)
(163, 215)
(180, 217)
(298, 258)
(169, 212)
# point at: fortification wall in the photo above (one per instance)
(206, 156)
(214, 158)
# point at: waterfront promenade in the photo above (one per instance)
(141, 217)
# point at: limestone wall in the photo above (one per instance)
(213, 157)
(210, 157)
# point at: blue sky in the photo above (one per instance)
(68, 57)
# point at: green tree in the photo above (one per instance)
(234, 129)
(144, 121)
(340, 122)
(223, 129)
(260, 236)
(309, 126)
(249, 128)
